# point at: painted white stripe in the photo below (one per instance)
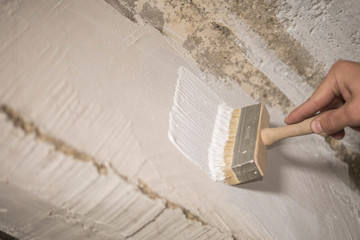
(194, 115)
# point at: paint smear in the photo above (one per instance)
(198, 124)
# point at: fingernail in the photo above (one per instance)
(316, 127)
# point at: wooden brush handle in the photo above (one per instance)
(271, 135)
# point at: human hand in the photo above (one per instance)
(337, 99)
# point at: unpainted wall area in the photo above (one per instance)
(295, 45)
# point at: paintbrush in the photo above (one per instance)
(249, 135)
(227, 143)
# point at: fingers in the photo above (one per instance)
(331, 122)
(335, 103)
(320, 99)
(324, 96)
(337, 99)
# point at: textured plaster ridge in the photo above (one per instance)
(30, 128)
(146, 190)
(59, 145)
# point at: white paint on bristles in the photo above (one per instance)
(218, 141)
(199, 124)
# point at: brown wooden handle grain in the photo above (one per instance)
(272, 135)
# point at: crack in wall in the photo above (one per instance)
(147, 224)
(141, 186)
(60, 146)
(144, 188)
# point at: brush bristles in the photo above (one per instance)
(218, 142)
(230, 177)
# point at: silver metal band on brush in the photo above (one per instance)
(243, 164)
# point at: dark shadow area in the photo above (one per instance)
(5, 236)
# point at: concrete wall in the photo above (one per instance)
(85, 92)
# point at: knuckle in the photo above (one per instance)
(316, 103)
(340, 64)
(330, 123)
(339, 67)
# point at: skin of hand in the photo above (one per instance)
(337, 100)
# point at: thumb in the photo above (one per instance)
(331, 121)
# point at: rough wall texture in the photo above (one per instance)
(85, 95)
(212, 33)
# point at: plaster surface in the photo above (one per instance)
(85, 99)
(251, 42)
